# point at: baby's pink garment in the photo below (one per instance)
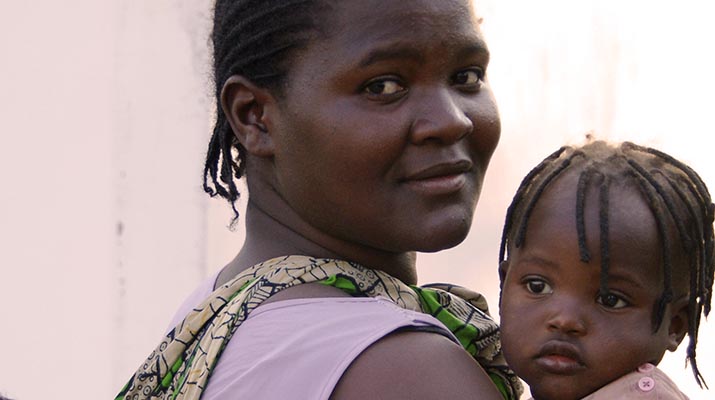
(648, 382)
(299, 349)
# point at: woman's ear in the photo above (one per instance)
(679, 322)
(246, 108)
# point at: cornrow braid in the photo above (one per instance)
(525, 184)
(675, 194)
(654, 195)
(603, 227)
(539, 190)
(255, 39)
(583, 181)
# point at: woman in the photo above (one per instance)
(363, 129)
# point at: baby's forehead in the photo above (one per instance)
(617, 199)
(635, 224)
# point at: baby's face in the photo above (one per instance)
(558, 334)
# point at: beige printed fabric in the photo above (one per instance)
(181, 365)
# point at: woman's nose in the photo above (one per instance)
(441, 119)
(567, 317)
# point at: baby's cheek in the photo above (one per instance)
(508, 328)
(512, 311)
(516, 323)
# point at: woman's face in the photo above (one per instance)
(387, 124)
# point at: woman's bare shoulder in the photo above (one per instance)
(415, 365)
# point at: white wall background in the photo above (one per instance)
(105, 110)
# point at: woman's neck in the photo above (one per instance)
(268, 236)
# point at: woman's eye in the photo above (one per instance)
(469, 77)
(538, 286)
(611, 300)
(384, 87)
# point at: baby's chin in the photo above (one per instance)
(563, 389)
(552, 394)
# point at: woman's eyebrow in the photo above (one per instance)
(391, 53)
(477, 47)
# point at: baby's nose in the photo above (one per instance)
(568, 318)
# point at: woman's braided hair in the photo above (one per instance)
(255, 39)
(675, 195)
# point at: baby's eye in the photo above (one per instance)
(538, 286)
(611, 300)
(469, 77)
(384, 87)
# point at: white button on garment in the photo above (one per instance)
(645, 368)
(646, 384)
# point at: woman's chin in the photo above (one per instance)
(442, 239)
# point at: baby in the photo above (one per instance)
(609, 262)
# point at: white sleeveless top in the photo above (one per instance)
(299, 348)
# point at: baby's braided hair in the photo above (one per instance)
(674, 192)
(255, 39)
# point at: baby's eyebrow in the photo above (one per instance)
(532, 259)
(624, 278)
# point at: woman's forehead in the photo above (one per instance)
(384, 20)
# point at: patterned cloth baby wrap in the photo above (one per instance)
(181, 365)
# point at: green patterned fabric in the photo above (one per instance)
(181, 365)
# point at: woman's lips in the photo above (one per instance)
(441, 178)
(439, 184)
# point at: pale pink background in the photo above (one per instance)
(105, 110)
